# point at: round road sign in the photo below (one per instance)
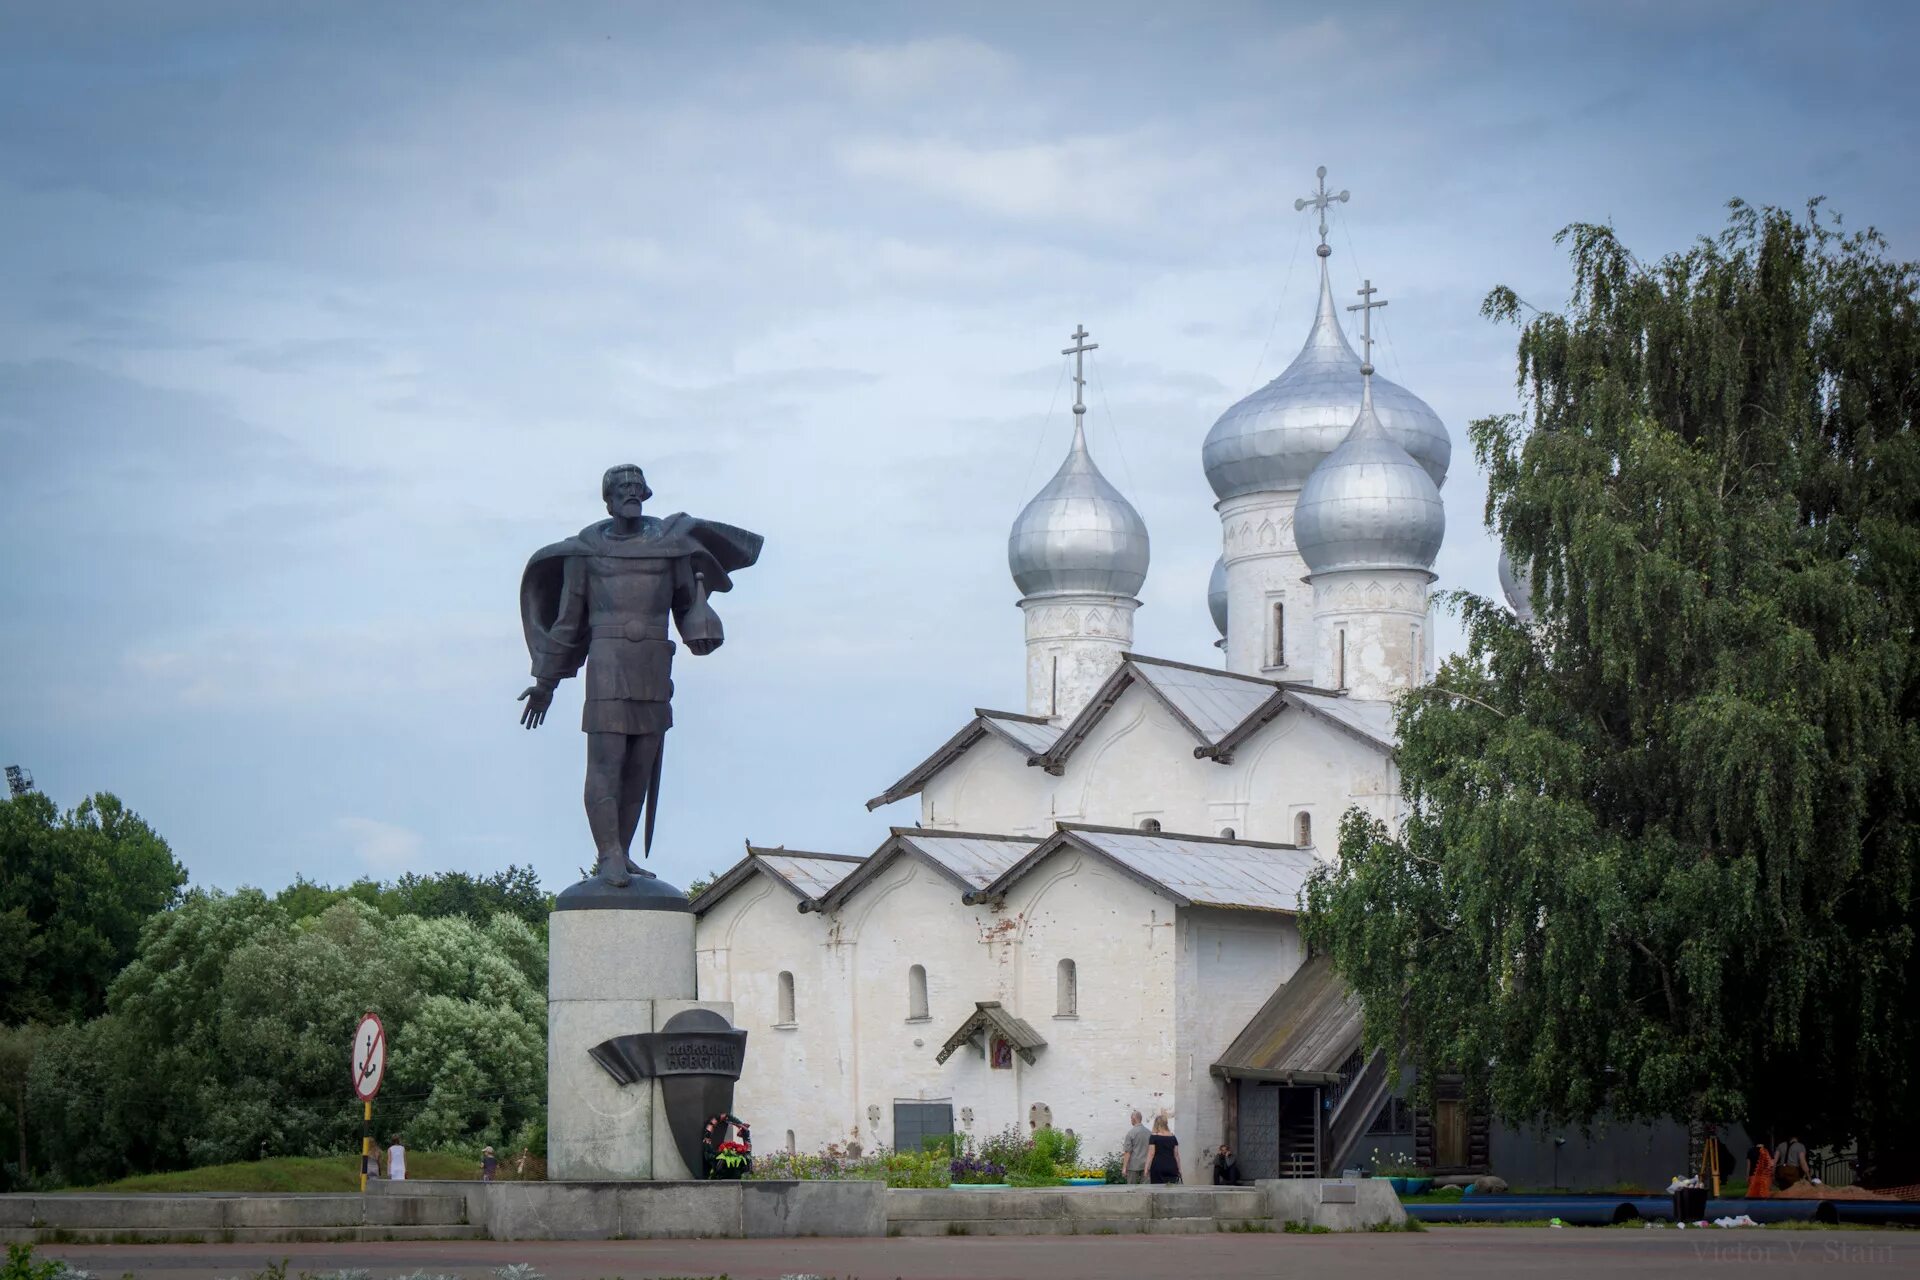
(369, 1056)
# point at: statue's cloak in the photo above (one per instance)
(712, 550)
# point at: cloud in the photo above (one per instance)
(910, 69)
(1111, 179)
(385, 849)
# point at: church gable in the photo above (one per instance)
(803, 875)
(1029, 736)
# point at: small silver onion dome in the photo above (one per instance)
(1217, 594)
(1274, 438)
(1517, 587)
(1369, 505)
(1078, 534)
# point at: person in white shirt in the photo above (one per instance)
(397, 1162)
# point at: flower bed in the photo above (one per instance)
(1050, 1158)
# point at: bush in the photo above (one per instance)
(945, 1144)
(1057, 1147)
(916, 1169)
(1006, 1148)
(1112, 1168)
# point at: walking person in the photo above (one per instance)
(1133, 1151)
(489, 1165)
(1790, 1162)
(396, 1161)
(1164, 1166)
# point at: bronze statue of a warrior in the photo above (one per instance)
(603, 598)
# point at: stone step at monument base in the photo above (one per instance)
(237, 1235)
(149, 1218)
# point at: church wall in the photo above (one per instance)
(795, 1075)
(911, 914)
(1138, 763)
(1114, 1050)
(991, 783)
(1229, 964)
(1298, 764)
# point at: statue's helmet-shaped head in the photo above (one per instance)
(624, 488)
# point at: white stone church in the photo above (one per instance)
(1097, 910)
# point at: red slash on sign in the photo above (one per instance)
(369, 1056)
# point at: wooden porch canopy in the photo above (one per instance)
(988, 1018)
(1301, 1035)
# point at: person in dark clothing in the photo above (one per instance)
(1163, 1162)
(1226, 1173)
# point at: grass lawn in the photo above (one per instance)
(290, 1173)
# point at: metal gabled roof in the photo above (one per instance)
(810, 875)
(970, 859)
(803, 874)
(1212, 703)
(1191, 870)
(1371, 718)
(1302, 1034)
(1032, 735)
(1219, 708)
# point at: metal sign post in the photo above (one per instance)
(369, 1067)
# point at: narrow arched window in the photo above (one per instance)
(1150, 824)
(1277, 646)
(1067, 990)
(792, 1146)
(917, 992)
(1340, 660)
(1226, 833)
(1303, 829)
(786, 1017)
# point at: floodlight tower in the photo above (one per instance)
(19, 782)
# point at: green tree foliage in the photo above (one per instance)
(18, 1047)
(227, 1036)
(74, 890)
(1661, 851)
(515, 891)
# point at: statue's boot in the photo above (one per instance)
(613, 869)
(635, 869)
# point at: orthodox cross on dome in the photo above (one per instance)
(1320, 200)
(1365, 307)
(1079, 351)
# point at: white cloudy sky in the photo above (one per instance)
(315, 319)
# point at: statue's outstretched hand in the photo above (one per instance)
(537, 700)
(703, 647)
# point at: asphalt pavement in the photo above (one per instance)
(1443, 1253)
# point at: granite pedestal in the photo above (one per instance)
(613, 971)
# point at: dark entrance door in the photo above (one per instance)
(1449, 1134)
(918, 1118)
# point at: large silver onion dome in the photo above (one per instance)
(1517, 587)
(1078, 534)
(1369, 505)
(1273, 439)
(1217, 594)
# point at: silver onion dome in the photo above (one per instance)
(1217, 594)
(1274, 438)
(1517, 587)
(1369, 505)
(1078, 534)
